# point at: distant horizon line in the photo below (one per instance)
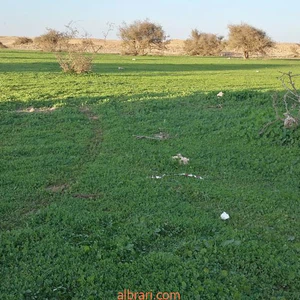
(117, 39)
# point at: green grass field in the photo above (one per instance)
(80, 215)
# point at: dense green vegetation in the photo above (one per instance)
(80, 215)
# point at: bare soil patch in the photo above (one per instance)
(86, 111)
(31, 109)
(57, 188)
(86, 196)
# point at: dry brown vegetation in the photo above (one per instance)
(248, 39)
(205, 44)
(141, 37)
(52, 40)
(22, 40)
(175, 47)
(74, 57)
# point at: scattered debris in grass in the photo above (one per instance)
(159, 136)
(86, 196)
(158, 177)
(219, 106)
(120, 68)
(85, 110)
(182, 160)
(31, 109)
(291, 101)
(181, 174)
(57, 188)
(289, 121)
(221, 94)
(225, 216)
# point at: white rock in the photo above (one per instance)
(224, 216)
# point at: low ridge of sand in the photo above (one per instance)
(175, 47)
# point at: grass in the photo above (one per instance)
(81, 217)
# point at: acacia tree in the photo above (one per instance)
(205, 44)
(140, 37)
(248, 39)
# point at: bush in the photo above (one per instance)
(206, 44)
(141, 37)
(52, 41)
(22, 41)
(74, 62)
(78, 56)
(74, 52)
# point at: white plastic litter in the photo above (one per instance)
(220, 94)
(182, 160)
(181, 174)
(120, 68)
(190, 175)
(225, 216)
(158, 177)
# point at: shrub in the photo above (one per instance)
(140, 37)
(78, 56)
(52, 40)
(248, 39)
(74, 52)
(22, 41)
(206, 44)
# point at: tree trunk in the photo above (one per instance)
(246, 54)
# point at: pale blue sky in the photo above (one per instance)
(280, 19)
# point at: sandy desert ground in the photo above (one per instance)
(175, 47)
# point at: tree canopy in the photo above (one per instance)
(248, 39)
(141, 37)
